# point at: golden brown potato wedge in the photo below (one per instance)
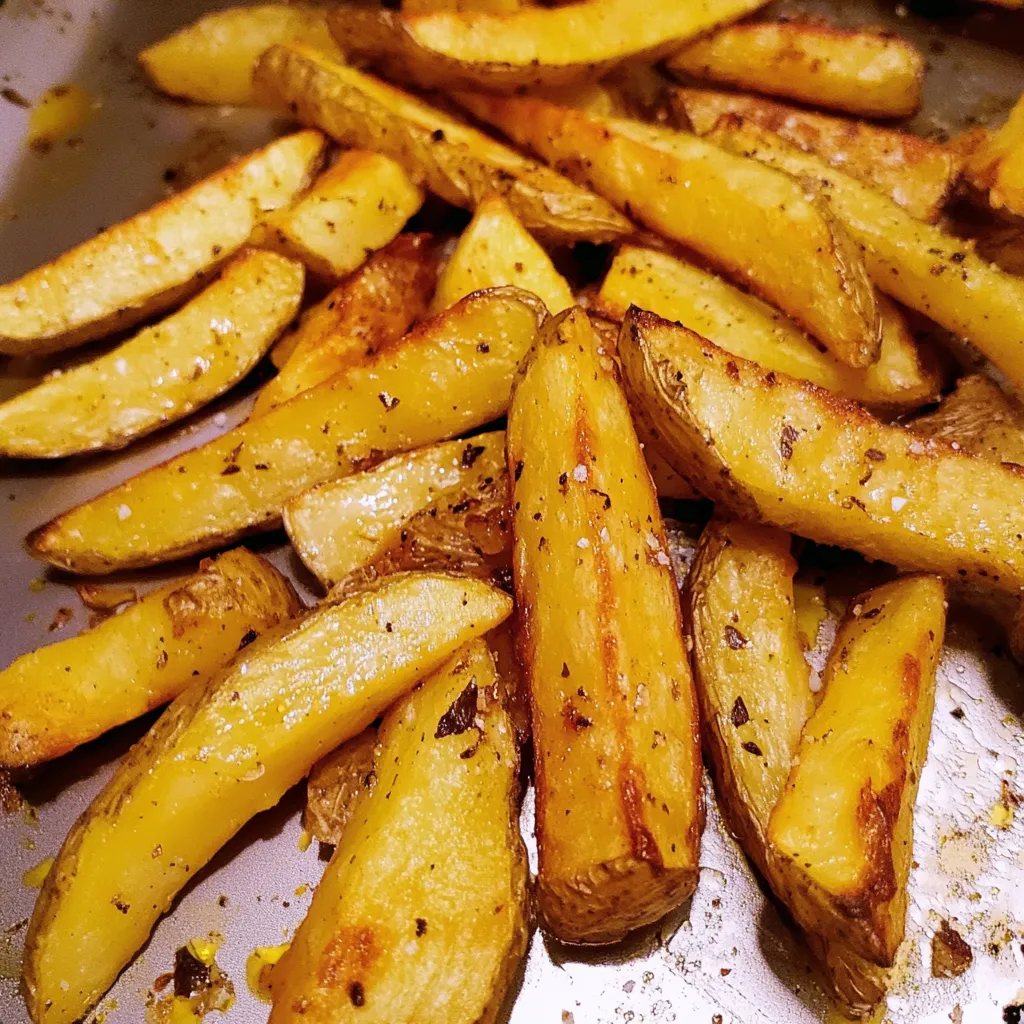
(495, 249)
(154, 260)
(165, 371)
(71, 692)
(357, 206)
(616, 759)
(770, 232)
(494, 6)
(920, 265)
(775, 449)
(364, 315)
(534, 46)
(918, 174)
(996, 166)
(678, 289)
(874, 74)
(212, 60)
(453, 374)
(338, 526)
(429, 881)
(222, 753)
(335, 785)
(453, 160)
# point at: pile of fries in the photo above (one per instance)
(457, 419)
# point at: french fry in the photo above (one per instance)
(770, 232)
(447, 156)
(156, 259)
(996, 166)
(163, 373)
(873, 74)
(335, 786)
(454, 374)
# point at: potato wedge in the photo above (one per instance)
(996, 166)
(771, 233)
(338, 526)
(535, 46)
(873, 74)
(335, 785)
(920, 265)
(919, 175)
(212, 60)
(429, 881)
(678, 289)
(495, 249)
(364, 315)
(165, 371)
(430, 6)
(447, 156)
(775, 449)
(357, 206)
(155, 259)
(455, 373)
(222, 753)
(70, 692)
(616, 753)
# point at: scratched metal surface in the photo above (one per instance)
(726, 956)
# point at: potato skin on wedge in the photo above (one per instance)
(422, 912)
(336, 784)
(223, 752)
(616, 753)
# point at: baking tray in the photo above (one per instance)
(727, 956)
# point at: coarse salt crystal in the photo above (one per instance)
(898, 503)
(605, 535)
(916, 448)
(583, 543)
(220, 419)
(652, 541)
(580, 473)
(815, 681)
(123, 512)
(663, 559)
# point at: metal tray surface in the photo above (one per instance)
(727, 956)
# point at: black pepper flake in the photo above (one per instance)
(875, 455)
(388, 401)
(15, 97)
(471, 454)
(601, 494)
(563, 482)
(740, 715)
(459, 718)
(191, 975)
(519, 469)
(565, 670)
(871, 614)
(355, 990)
(959, 714)
(752, 748)
(789, 436)
(421, 926)
(483, 347)
(735, 640)
(231, 470)
(250, 635)
(1013, 1014)
(437, 136)
(460, 507)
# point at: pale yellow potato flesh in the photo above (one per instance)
(448, 157)
(920, 265)
(495, 249)
(221, 753)
(678, 289)
(336, 784)
(422, 912)
(357, 206)
(782, 451)
(155, 259)
(534, 46)
(771, 233)
(873, 74)
(617, 769)
(165, 371)
(338, 526)
(996, 166)
(212, 60)
(455, 373)
(70, 692)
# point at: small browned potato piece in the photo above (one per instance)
(771, 233)
(451, 159)
(781, 451)
(616, 756)
(66, 694)
(918, 174)
(869, 73)
(996, 164)
(422, 912)
(336, 784)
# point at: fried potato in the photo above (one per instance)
(616, 758)
(495, 249)
(841, 834)
(535, 46)
(455, 373)
(336, 784)
(920, 265)
(495, 6)
(364, 315)
(677, 289)
(769, 232)
(338, 526)
(918, 174)
(155, 259)
(357, 206)
(874, 74)
(996, 166)
(212, 60)
(451, 159)
(163, 373)
(422, 912)
(775, 449)
(73, 691)
(222, 753)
